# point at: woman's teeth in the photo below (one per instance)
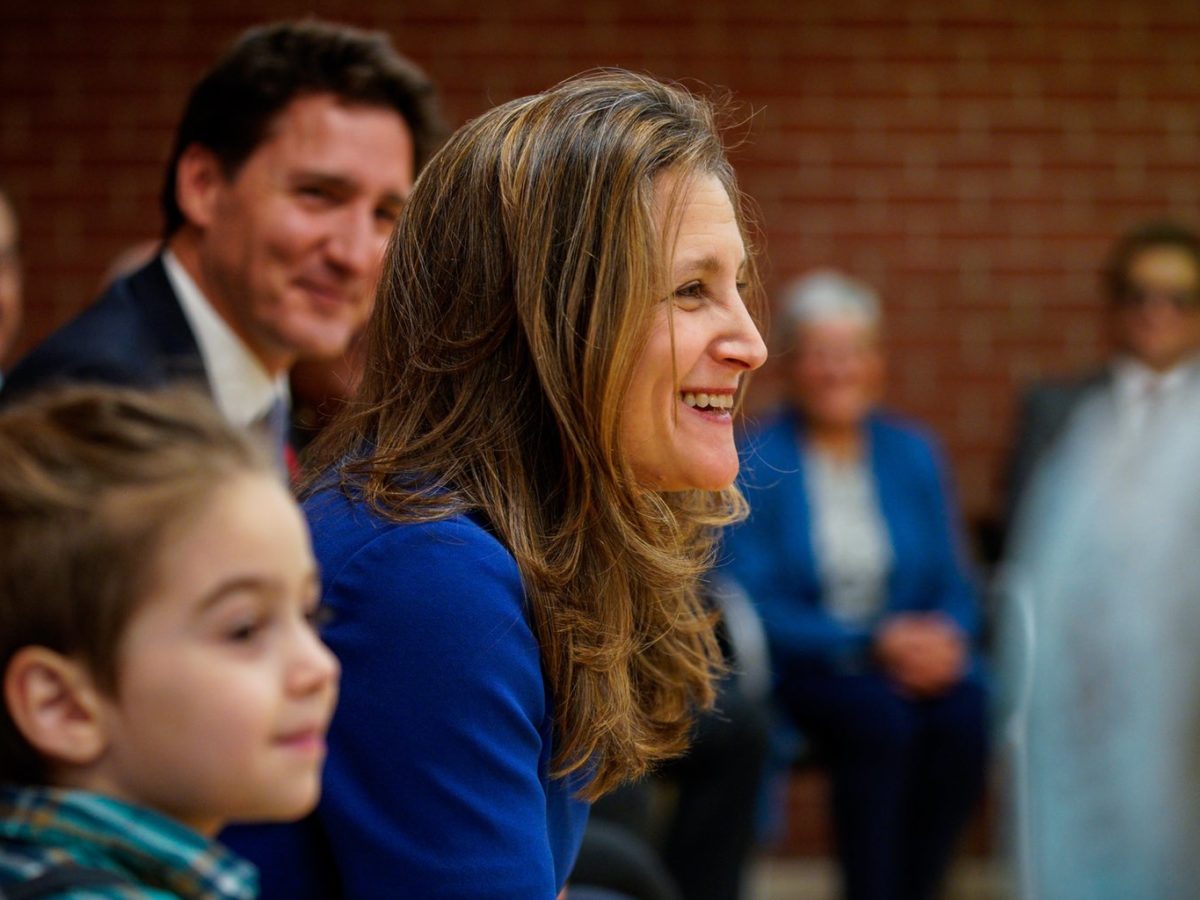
(708, 401)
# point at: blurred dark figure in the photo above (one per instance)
(688, 832)
(11, 298)
(853, 553)
(320, 387)
(1152, 283)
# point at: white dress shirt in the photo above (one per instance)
(242, 388)
(1140, 392)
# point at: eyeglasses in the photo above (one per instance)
(1140, 295)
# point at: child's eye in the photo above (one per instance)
(246, 630)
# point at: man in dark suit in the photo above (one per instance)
(1152, 279)
(293, 159)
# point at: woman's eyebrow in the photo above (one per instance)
(704, 262)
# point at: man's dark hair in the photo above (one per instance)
(1148, 235)
(231, 109)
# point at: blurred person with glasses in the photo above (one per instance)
(1152, 279)
(1098, 600)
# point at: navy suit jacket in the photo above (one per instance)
(772, 556)
(134, 335)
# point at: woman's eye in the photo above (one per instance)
(690, 294)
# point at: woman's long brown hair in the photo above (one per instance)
(515, 300)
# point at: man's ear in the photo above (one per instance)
(55, 706)
(199, 179)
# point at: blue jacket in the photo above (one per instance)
(437, 783)
(771, 554)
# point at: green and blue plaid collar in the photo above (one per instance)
(42, 827)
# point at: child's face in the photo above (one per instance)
(224, 691)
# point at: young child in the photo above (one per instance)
(161, 673)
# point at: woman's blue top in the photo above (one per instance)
(437, 782)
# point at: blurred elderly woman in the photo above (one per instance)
(853, 555)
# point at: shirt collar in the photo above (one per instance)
(150, 848)
(1133, 380)
(242, 388)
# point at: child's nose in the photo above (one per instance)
(314, 667)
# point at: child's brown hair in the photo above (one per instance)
(92, 481)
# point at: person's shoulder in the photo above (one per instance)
(1063, 389)
(109, 341)
(767, 450)
(335, 514)
(902, 444)
(451, 567)
(902, 431)
(129, 891)
(768, 427)
(80, 871)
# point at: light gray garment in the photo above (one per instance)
(850, 539)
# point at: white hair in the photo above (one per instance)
(826, 294)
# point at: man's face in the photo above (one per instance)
(10, 280)
(1158, 320)
(291, 246)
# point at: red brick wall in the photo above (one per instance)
(970, 158)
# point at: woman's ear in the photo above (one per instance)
(55, 706)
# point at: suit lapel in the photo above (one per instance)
(156, 301)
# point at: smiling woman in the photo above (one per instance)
(677, 428)
(513, 517)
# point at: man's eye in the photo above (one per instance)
(387, 214)
(314, 192)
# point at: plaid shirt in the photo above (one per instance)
(43, 827)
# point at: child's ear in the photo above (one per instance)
(55, 705)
